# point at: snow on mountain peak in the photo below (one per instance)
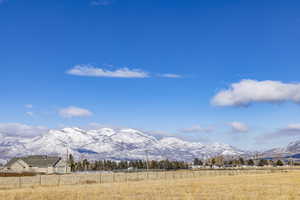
(111, 143)
(173, 141)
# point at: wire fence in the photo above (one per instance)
(118, 177)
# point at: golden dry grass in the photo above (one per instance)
(252, 186)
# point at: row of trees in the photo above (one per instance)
(221, 162)
(109, 165)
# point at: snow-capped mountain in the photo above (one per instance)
(290, 149)
(108, 143)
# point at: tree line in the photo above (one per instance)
(110, 165)
(220, 161)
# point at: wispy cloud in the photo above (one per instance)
(101, 2)
(22, 130)
(92, 71)
(249, 91)
(197, 129)
(73, 111)
(88, 70)
(288, 131)
(170, 75)
(239, 127)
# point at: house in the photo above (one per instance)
(37, 164)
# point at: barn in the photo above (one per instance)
(37, 164)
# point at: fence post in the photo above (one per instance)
(100, 178)
(40, 179)
(113, 177)
(58, 181)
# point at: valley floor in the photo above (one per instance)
(284, 185)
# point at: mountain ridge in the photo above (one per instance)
(111, 143)
(290, 149)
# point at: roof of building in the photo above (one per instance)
(36, 161)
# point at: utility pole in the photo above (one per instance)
(147, 160)
(147, 164)
(67, 160)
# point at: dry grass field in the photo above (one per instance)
(245, 186)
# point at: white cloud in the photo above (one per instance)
(170, 75)
(73, 111)
(249, 91)
(23, 130)
(88, 70)
(239, 127)
(29, 106)
(197, 129)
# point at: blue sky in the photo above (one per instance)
(156, 66)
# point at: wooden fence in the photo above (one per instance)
(99, 178)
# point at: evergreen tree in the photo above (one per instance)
(250, 162)
(262, 162)
(241, 161)
(279, 163)
(200, 162)
(71, 163)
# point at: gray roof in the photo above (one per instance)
(36, 161)
(10, 162)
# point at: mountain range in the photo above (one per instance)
(110, 143)
(122, 144)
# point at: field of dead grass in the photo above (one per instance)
(273, 186)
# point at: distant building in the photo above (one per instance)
(196, 166)
(37, 164)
